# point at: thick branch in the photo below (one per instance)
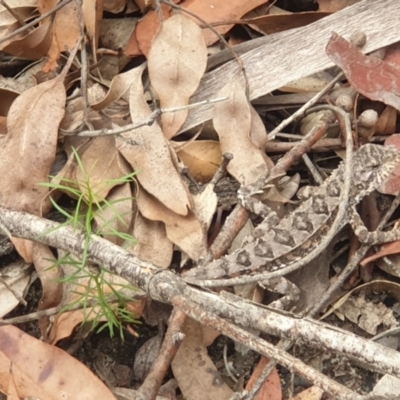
(167, 287)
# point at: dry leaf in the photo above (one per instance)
(232, 121)
(102, 164)
(196, 374)
(16, 275)
(66, 32)
(32, 123)
(50, 275)
(152, 244)
(187, 232)
(271, 389)
(177, 61)
(120, 85)
(209, 10)
(44, 371)
(118, 217)
(371, 76)
(202, 157)
(32, 46)
(151, 157)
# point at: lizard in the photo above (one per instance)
(278, 246)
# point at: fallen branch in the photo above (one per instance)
(167, 287)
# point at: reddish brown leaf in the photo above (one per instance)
(372, 77)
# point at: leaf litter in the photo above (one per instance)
(170, 205)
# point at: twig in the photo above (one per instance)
(150, 120)
(84, 66)
(306, 106)
(12, 12)
(35, 22)
(167, 287)
(149, 389)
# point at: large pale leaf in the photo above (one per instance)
(177, 61)
(29, 150)
(151, 158)
(44, 371)
(232, 121)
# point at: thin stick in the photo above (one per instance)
(306, 106)
(150, 120)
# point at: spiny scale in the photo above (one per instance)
(278, 243)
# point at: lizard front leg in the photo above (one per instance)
(281, 285)
(370, 238)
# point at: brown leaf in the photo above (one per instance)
(151, 157)
(187, 232)
(209, 10)
(44, 371)
(49, 274)
(371, 76)
(118, 216)
(232, 121)
(271, 389)
(102, 164)
(387, 121)
(119, 86)
(66, 32)
(152, 244)
(202, 157)
(177, 61)
(30, 147)
(194, 370)
(93, 14)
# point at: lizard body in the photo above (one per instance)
(277, 244)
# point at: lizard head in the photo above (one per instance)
(372, 165)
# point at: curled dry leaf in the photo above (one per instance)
(34, 45)
(371, 76)
(44, 371)
(232, 121)
(151, 156)
(120, 85)
(15, 281)
(177, 61)
(152, 244)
